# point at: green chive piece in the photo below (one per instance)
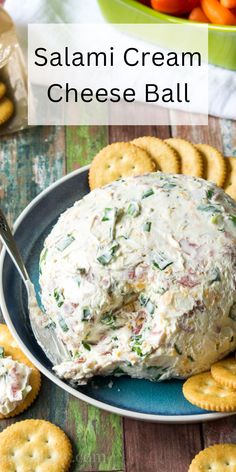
(209, 194)
(110, 252)
(133, 209)
(161, 261)
(86, 345)
(108, 214)
(63, 325)
(65, 242)
(209, 208)
(59, 297)
(147, 193)
(86, 314)
(1, 352)
(147, 226)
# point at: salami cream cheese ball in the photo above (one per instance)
(139, 278)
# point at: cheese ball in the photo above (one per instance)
(139, 278)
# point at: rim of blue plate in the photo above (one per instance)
(196, 418)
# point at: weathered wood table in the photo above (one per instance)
(29, 162)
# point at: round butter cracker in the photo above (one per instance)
(224, 372)
(34, 445)
(217, 458)
(230, 183)
(6, 110)
(162, 154)
(215, 168)
(11, 349)
(3, 89)
(190, 158)
(116, 161)
(203, 391)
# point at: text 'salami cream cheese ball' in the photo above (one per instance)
(138, 277)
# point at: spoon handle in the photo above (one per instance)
(7, 239)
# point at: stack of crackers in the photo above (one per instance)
(32, 444)
(214, 390)
(173, 155)
(6, 105)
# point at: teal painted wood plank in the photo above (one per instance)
(29, 162)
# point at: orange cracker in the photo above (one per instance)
(116, 161)
(202, 390)
(190, 157)
(230, 183)
(6, 110)
(33, 445)
(217, 458)
(214, 164)
(162, 154)
(224, 372)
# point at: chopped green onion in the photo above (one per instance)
(86, 345)
(65, 242)
(51, 324)
(147, 226)
(210, 208)
(1, 352)
(209, 194)
(108, 214)
(63, 325)
(143, 299)
(148, 193)
(178, 350)
(109, 320)
(168, 185)
(161, 261)
(86, 314)
(108, 255)
(133, 209)
(59, 297)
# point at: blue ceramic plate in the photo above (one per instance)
(139, 399)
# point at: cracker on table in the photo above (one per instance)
(6, 110)
(33, 445)
(11, 349)
(3, 89)
(119, 160)
(203, 391)
(6, 338)
(215, 168)
(162, 154)
(190, 158)
(224, 372)
(230, 183)
(217, 458)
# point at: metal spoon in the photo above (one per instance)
(53, 347)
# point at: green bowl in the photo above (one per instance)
(222, 39)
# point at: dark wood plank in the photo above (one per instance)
(153, 447)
